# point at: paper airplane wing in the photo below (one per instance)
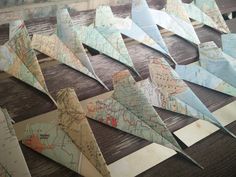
(229, 44)
(197, 14)
(175, 25)
(212, 10)
(51, 141)
(172, 87)
(67, 34)
(128, 110)
(142, 17)
(73, 121)
(128, 28)
(54, 48)
(198, 75)
(107, 40)
(12, 161)
(217, 62)
(20, 43)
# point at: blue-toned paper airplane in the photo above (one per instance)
(211, 9)
(229, 44)
(215, 70)
(173, 18)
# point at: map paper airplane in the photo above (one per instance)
(197, 14)
(18, 59)
(194, 73)
(12, 161)
(174, 18)
(105, 38)
(68, 35)
(56, 49)
(229, 44)
(69, 140)
(166, 90)
(215, 61)
(211, 9)
(129, 110)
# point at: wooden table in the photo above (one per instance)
(217, 153)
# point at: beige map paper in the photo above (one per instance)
(12, 161)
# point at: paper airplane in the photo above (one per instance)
(70, 140)
(197, 14)
(129, 110)
(229, 44)
(56, 49)
(215, 61)
(105, 38)
(12, 161)
(68, 35)
(166, 90)
(18, 59)
(211, 9)
(194, 73)
(173, 18)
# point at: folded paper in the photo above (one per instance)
(105, 38)
(166, 90)
(18, 59)
(215, 61)
(229, 44)
(194, 73)
(215, 69)
(68, 35)
(69, 140)
(173, 18)
(129, 110)
(12, 161)
(197, 14)
(54, 48)
(211, 9)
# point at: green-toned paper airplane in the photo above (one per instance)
(166, 90)
(211, 9)
(12, 161)
(105, 38)
(229, 44)
(68, 35)
(173, 18)
(128, 110)
(69, 140)
(18, 59)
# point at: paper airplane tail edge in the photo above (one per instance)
(229, 132)
(53, 100)
(102, 83)
(191, 159)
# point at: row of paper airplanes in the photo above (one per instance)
(130, 107)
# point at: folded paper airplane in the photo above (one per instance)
(12, 161)
(68, 36)
(105, 38)
(229, 44)
(173, 18)
(197, 14)
(166, 90)
(69, 140)
(148, 35)
(211, 9)
(128, 110)
(66, 46)
(18, 59)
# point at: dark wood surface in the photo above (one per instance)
(216, 153)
